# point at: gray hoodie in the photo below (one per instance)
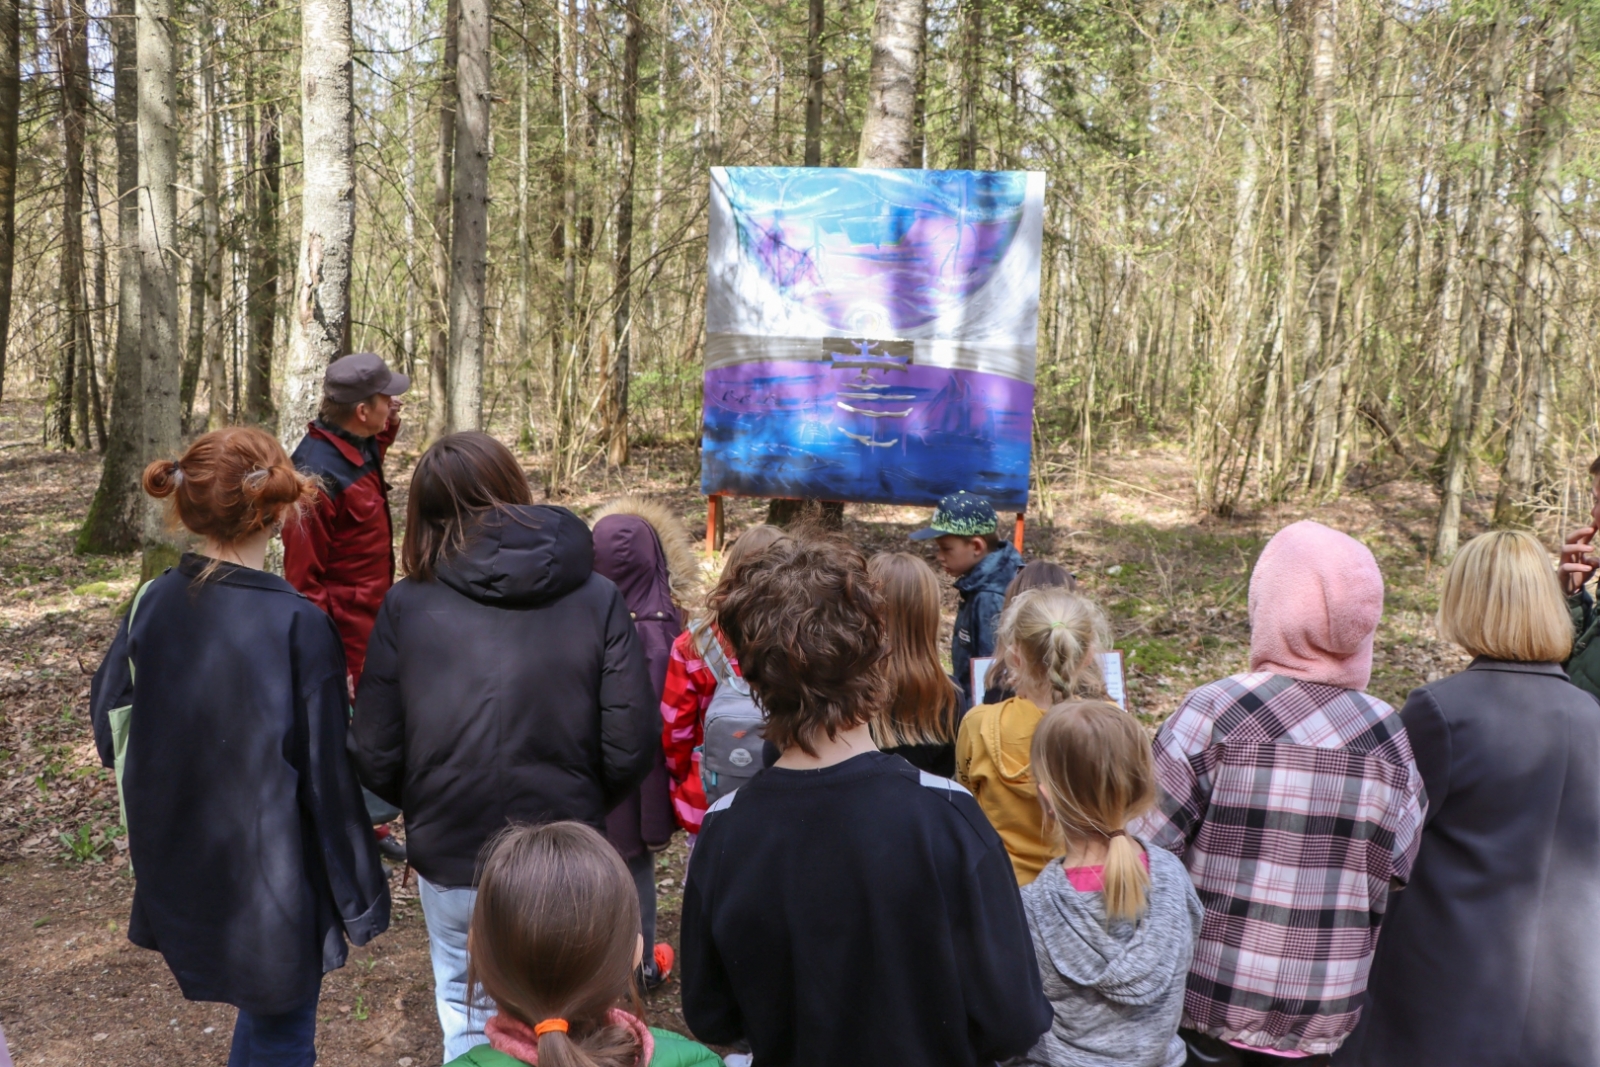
(1117, 992)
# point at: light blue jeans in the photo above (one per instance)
(448, 913)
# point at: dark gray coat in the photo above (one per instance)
(252, 848)
(1491, 955)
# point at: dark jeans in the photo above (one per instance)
(287, 1040)
(1207, 1051)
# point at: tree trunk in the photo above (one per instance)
(319, 322)
(10, 105)
(971, 84)
(261, 275)
(469, 225)
(890, 135)
(439, 334)
(158, 263)
(211, 223)
(814, 84)
(1478, 286)
(71, 34)
(114, 523)
(1325, 365)
(622, 322)
(1536, 314)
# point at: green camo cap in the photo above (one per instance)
(961, 514)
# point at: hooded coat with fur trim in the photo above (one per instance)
(643, 548)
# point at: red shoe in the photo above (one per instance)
(658, 967)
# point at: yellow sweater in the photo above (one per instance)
(992, 761)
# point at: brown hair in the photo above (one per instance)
(230, 484)
(1092, 767)
(457, 481)
(1501, 599)
(333, 412)
(807, 626)
(553, 936)
(1056, 635)
(746, 547)
(921, 708)
(1594, 468)
(1039, 574)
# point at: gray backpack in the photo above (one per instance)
(730, 755)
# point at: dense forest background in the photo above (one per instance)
(1305, 238)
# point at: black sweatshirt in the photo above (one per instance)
(865, 913)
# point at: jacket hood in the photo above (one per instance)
(1129, 963)
(1316, 596)
(993, 572)
(627, 551)
(682, 561)
(520, 556)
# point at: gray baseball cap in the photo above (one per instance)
(361, 375)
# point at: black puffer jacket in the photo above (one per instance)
(511, 689)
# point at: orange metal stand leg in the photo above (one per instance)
(1017, 537)
(713, 524)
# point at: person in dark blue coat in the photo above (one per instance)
(249, 840)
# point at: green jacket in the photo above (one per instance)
(672, 1050)
(1583, 666)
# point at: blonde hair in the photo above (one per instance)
(1092, 767)
(921, 709)
(1057, 635)
(1036, 574)
(1501, 600)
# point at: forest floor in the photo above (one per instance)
(73, 990)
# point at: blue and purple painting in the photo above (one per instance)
(870, 334)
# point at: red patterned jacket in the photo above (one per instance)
(687, 694)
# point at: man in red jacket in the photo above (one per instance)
(340, 553)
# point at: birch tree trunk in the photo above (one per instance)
(10, 106)
(469, 225)
(319, 319)
(622, 321)
(971, 84)
(1536, 315)
(211, 223)
(1325, 365)
(71, 34)
(114, 523)
(890, 135)
(439, 334)
(158, 260)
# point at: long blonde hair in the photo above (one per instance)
(1092, 766)
(1057, 636)
(921, 709)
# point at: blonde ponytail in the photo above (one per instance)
(1092, 766)
(1057, 635)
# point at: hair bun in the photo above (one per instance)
(162, 478)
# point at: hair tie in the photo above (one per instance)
(177, 473)
(1116, 833)
(550, 1026)
(255, 478)
(1058, 625)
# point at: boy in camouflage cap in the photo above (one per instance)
(966, 539)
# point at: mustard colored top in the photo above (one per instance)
(992, 762)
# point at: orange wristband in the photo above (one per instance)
(550, 1026)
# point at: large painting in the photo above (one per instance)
(870, 334)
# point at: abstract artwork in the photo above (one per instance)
(870, 334)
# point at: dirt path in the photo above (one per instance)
(74, 991)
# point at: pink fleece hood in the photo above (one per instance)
(1315, 600)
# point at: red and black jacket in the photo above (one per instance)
(340, 553)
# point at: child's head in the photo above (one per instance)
(1051, 639)
(746, 547)
(922, 699)
(1501, 600)
(1091, 764)
(230, 485)
(1039, 574)
(806, 623)
(1316, 597)
(555, 935)
(964, 529)
(457, 481)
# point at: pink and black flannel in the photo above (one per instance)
(1294, 806)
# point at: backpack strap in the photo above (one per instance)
(710, 646)
(133, 609)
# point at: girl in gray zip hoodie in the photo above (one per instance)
(1114, 921)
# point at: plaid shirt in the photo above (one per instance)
(1294, 805)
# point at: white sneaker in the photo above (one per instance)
(738, 1059)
